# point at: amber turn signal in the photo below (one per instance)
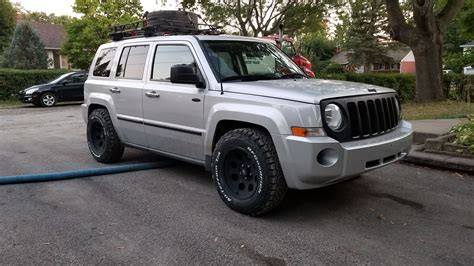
(307, 132)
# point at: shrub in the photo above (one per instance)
(333, 69)
(404, 84)
(14, 80)
(465, 134)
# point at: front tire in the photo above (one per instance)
(247, 172)
(48, 99)
(104, 143)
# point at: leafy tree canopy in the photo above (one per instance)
(7, 23)
(26, 51)
(86, 34)
(262, 17)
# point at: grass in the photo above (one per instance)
(436, 110)
(10, 103)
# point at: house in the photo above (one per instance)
(407, 64)
(393, 66)
(467, 47)
(52, 36)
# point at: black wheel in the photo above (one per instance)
(103, 142)
(48, 99)
(247, 172)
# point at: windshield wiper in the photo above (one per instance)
(248, 77)
(292, 76)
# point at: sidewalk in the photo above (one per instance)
(424, 129)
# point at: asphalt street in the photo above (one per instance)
(400, 214)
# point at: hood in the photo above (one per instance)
(303, 90)
(35, 87)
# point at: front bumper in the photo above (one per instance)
(303, 168)
(27, 98)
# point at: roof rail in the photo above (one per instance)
(163, 23)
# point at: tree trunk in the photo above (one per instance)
(429, 69)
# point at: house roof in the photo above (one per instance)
(340, 58)
(469, 44)
(395, 54)
(51, 35)
(410, 57)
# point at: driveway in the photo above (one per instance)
(400, 214)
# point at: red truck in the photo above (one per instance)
(286, 44)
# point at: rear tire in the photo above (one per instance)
(247, 172)
(102, 139)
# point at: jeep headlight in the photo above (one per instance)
(333, 116)
(31, 91)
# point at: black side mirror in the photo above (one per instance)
(186, 74)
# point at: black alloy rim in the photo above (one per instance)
(97, 137)
(240, 174)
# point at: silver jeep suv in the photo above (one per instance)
(240, 107)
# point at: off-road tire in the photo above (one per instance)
(111, 149)
(48, 99)
(271, 186)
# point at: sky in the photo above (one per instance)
(64, 7)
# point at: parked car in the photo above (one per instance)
(243, 109)
(68, 87)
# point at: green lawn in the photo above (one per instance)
(11, 103)
(436, 110)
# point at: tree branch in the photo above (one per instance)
(450, 10)
(400, 30)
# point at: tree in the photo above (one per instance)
(425, 38)
(7, 23)
(86, 34)
(26, 51)
(366, 37)
(42, 17)
(261, 17)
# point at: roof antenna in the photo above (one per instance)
(219, 71)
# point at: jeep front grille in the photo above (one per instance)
(365, 116)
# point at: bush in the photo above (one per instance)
(465, 134)
(404, 84)
(14, 80)
(333, 69)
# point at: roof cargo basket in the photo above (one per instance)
(163, 23)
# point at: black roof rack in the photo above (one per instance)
(164, 23)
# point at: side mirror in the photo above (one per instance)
(185, 74)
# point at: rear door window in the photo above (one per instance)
(103, 65)
(132, 62)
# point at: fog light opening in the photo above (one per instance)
(327, 157)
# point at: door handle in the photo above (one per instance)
(114, 90)
(152, 94)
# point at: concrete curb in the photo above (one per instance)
(440, 161)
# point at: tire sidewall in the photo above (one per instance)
(94, 117)
(218, 173)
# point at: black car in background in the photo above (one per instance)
(68, 87)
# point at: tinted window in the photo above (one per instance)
(132, 62)
(167, 56)
(104, 62)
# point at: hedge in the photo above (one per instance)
(14, 80)
(404, 84)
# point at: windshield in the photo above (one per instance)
(249, 61)
(56, 80)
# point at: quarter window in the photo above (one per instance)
(132, 62)
(104, 62)
(167, 56)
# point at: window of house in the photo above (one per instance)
(167, 56)
(132, 62)
(104, 62)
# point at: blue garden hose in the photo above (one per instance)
(82, 173)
